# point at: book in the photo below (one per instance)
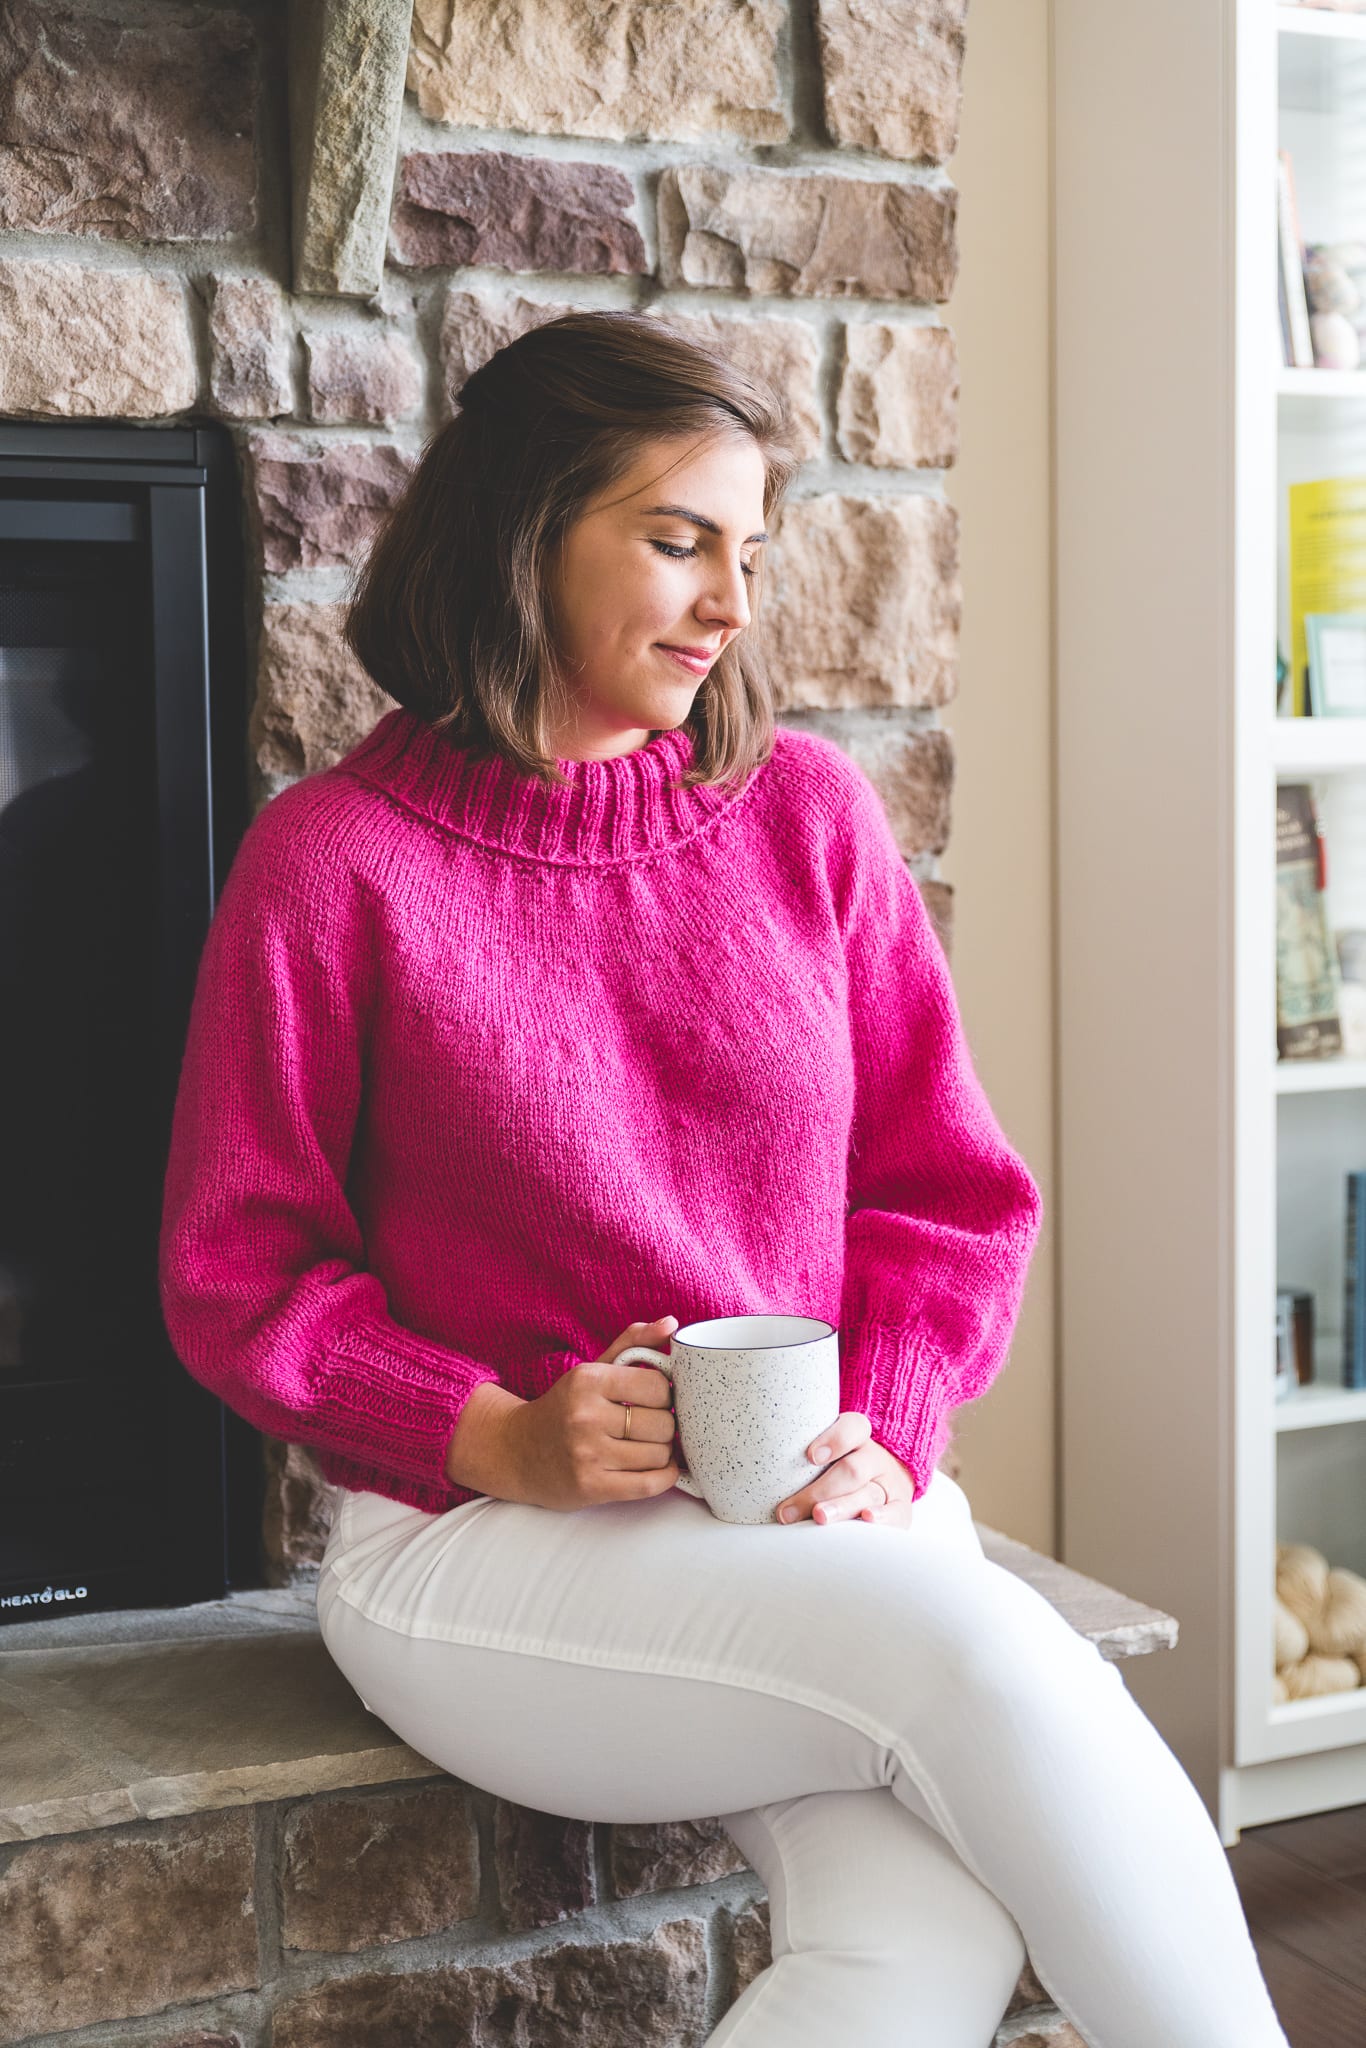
(1307, 1021)
(1327, 563)
(1354, 1285)
(1291, 242)
(1284, 1382)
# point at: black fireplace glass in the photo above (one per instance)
(122, 766)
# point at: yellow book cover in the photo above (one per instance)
(1327, 562)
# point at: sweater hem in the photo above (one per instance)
(359, 1476)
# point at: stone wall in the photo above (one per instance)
(239, 213)
(418, 1912)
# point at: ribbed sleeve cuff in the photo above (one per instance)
(395, 1409)
(886, 1375)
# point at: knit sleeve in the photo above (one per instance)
(262, 1276)
(942, 1214)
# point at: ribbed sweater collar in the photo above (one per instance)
(606, 812)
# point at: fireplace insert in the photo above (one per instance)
(123, 795)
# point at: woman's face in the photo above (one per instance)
(634, 579)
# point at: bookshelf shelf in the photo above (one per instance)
(1318, 1077)
(1193, 1191)
(1321, 1405)
(1313, 384)
(1308, 746)
(1312, 1728)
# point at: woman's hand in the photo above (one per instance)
(569, 1449)
(854, 1485)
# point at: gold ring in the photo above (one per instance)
(627, 1431)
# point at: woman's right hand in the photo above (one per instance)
(567, 1444)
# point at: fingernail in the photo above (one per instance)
(821, 1451)
(787, 1514)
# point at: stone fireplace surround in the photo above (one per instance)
(312, 222)
(211, 1844)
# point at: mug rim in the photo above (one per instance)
(820, 1331)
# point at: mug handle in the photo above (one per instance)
(665, 1364)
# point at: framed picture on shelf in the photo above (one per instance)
(1336, 649)
(1307, 979)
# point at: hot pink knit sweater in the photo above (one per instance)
(478, 1073)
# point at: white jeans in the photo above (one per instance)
(924, 1763)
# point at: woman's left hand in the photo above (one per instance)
(853, 1487)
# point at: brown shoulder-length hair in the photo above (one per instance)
(449, 613)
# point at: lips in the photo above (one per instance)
(698, 659)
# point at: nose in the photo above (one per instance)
(728, 600)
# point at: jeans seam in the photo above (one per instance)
(897, 1743)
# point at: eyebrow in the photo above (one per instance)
(699, 519)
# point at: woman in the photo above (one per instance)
(580, 1001)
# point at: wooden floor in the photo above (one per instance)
(1303, 1887)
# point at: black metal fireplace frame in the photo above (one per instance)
(174, 491)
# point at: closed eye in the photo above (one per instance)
(678, 554)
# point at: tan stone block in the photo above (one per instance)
(897, 402)
(1054, 2033)
(382, 1867)
(48, 1769)
(476, 324)
(648, 1992)
(135, 130)
(544, 1863)
(518, 212)
(194, 1722)
(751, 1942)
(892, 75)
(298, 1501)
(314, 701)
(110, 1925)
(250, 337)
(806, 234)
(366, 374)
(911, 767)
(346, 62)
(915, 781)
(864, 601)
(782, 353)
(662, 1855)
(315, 506)
(81, 343)
(687, 70)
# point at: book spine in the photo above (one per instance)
(1354, 1300)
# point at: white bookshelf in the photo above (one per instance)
(1196, 1172)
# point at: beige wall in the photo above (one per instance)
(999, 858)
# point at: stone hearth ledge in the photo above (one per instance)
(140, 1715)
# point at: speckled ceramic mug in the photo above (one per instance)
(751, 1393)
